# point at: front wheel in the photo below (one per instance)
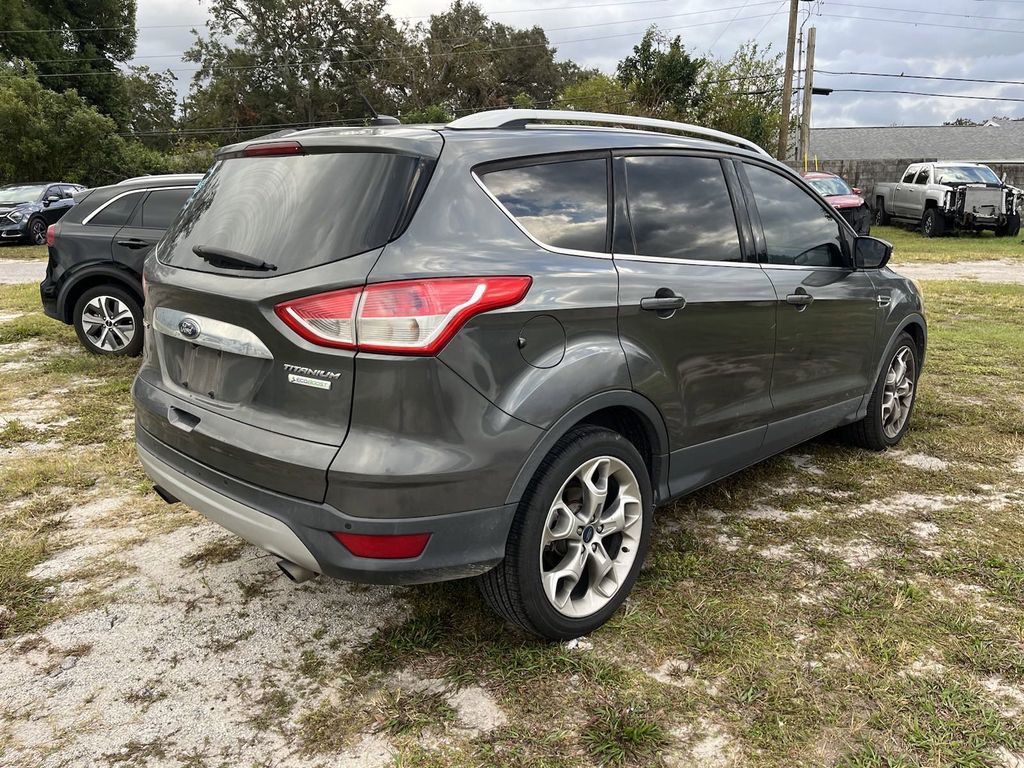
(37, 231)
(933, 225)
(578, 538)
(108, 321)
(892, 400)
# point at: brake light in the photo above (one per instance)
(384, 547)
(51, 234)
(411, 317)
(274, 149)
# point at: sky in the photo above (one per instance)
(978, 39)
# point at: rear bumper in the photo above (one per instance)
(461, 544)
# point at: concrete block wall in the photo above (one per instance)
(866, 173)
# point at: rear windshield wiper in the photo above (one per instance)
(222, 257)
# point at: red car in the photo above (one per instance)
(847, 201)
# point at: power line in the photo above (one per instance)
(901, 75)
(464, 39)
(347, 62)
(400, 18)
(923, 24)
(926, 13)
(930, 95)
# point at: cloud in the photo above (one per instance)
(598, 33)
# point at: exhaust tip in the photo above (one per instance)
(165, 495)
(296, 573)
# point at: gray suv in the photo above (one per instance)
(405, 354)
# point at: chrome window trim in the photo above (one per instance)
(698, 262)
(115, 198)
(534, 240)
(215, 334)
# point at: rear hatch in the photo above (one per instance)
(224, 380)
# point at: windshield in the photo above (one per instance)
(967, 174)
(831, 187)
(293, 212)
(20, 193)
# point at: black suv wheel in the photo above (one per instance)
(578, 538)
(108, 321)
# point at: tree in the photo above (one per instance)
(661, 76)
(73, 44)
(598, 93)
(743, 96)
(152, 106)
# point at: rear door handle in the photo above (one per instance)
(665, 301)
(800, 299)
(133, 243)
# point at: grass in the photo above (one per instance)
(848, 618)
(911, 245)
(23, 252)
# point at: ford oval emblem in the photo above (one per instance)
(189, 328)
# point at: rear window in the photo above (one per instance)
(162, 205)
(561, 204)
(294, 212)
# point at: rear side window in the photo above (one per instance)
(798, 230)
(909, 177)
(562, 204)
(293, 212)
(680, 208)
(162, 205)
(117, 213)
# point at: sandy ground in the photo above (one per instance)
(985, 271)
(12, 272)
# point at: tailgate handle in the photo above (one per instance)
(183, 420)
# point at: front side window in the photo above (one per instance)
(797, 229)
(117, 213)
(162, 205)
(680, 208)
(562, 204)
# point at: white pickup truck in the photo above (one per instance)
(950, 196)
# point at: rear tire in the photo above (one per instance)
(108, 321)
(1011, 228)
(578, 538)
(892, 400)
(862, 221)
(933, 225)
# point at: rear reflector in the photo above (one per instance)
(51, 234)
(411, 317)
(384, 547)
(274, 149)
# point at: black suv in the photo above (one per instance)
(26, 210)
(407, 354)
(94, 276)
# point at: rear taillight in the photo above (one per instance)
(51, 234)
(411, 317)
(385, 547)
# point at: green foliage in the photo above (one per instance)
(662, 76)
(432, 113)
(598, 93)
(741, 96)
(96, 35)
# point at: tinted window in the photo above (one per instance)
(922, 177)
(564, 204)
(66, 192)
(162, 205)
(294, 212)
(909, 177)
(680, 208)
(798, 230)
(116, 214)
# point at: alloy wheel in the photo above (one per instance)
(591, 537)
(38, 232)
(108, 323)
(898, 392)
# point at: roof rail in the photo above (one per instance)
(520, 118)
(163, 177)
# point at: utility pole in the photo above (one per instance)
(805, 114)
(787, 85)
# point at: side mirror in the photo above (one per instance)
(871, 253)
(51, 199)
(856, 190)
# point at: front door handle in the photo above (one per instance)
(665, 302)
(800, 299)
(133, 243)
